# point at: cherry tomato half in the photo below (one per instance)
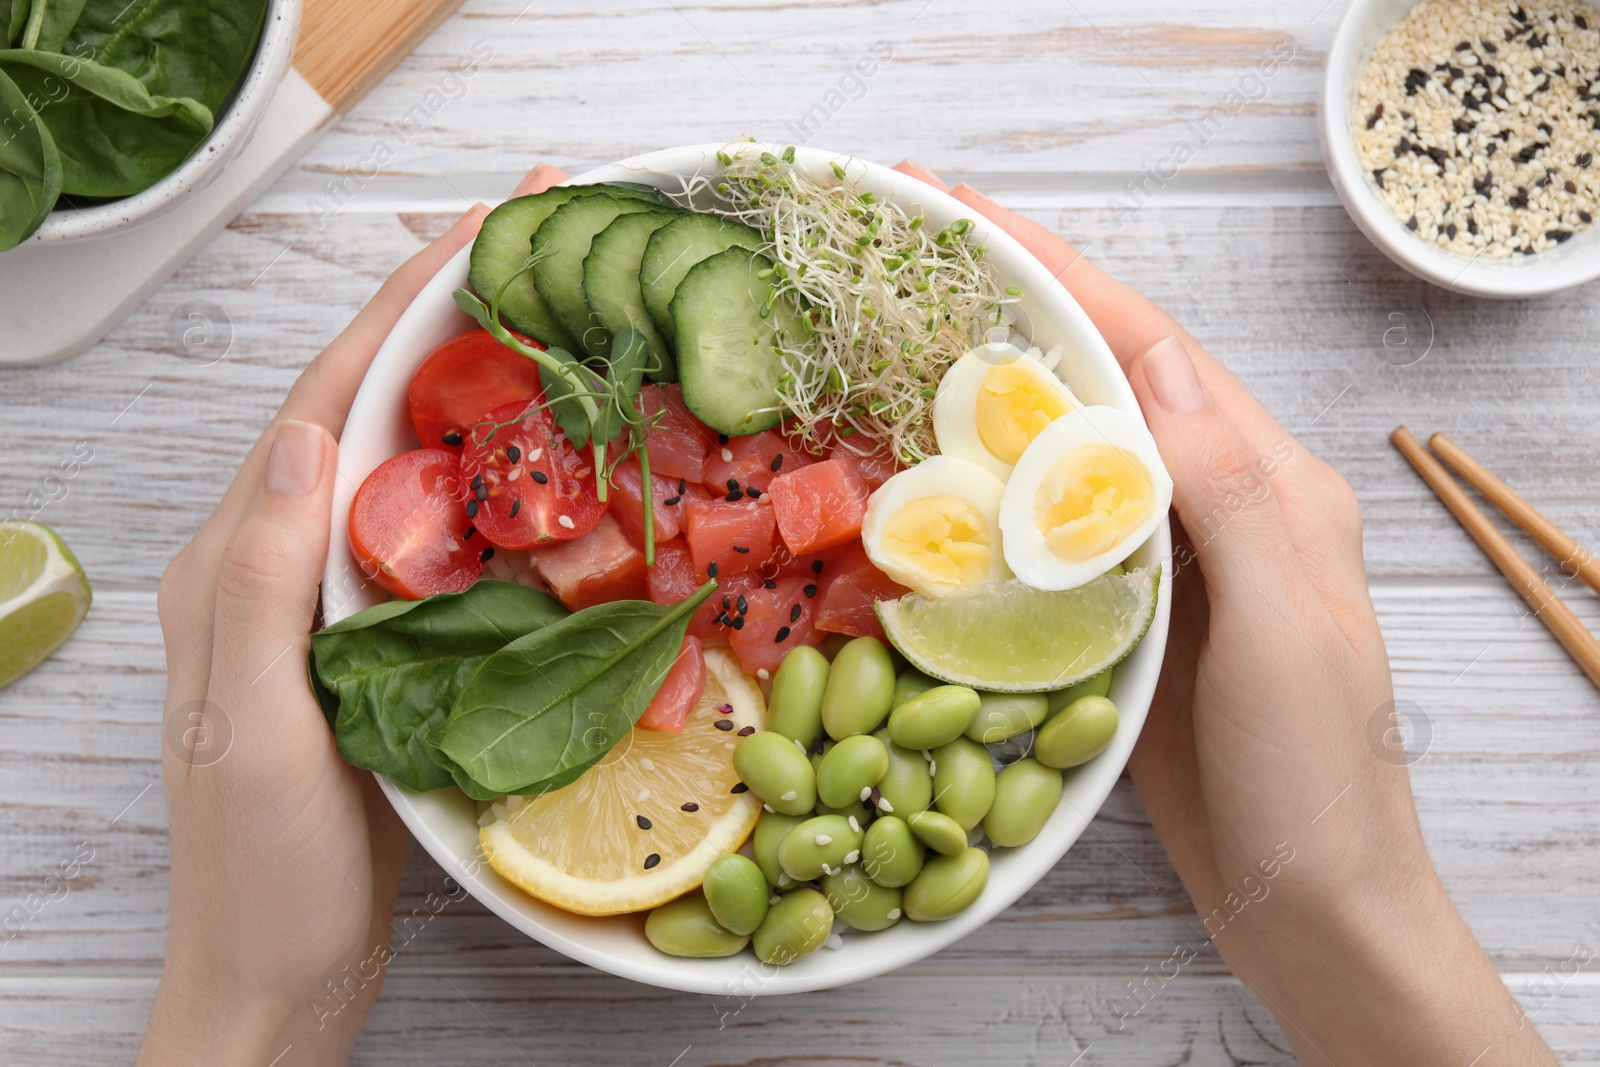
(526, 485)
(467, 375)
(408, 529)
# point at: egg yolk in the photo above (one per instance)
(944, 539)
(1013, 405)
(1091, 500)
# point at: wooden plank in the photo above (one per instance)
(899, 1020)
(1508, 788)
(1293, 298)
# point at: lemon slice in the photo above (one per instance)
(1007, 637)
(584, 847)
(44, 595)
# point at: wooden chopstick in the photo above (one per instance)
(1551, 537)
(1556, 616)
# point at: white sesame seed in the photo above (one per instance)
(894, 913)
(884, 805)
(790, 795)
(824, 839)
(514, 474)
(647, 764)
(855, 827)
(644, 795)
(534, 454)
(763, 674)
(783, 878)
(853, 855)
(801, 745)
(566, 521)
(727, 456)
(768, 808)
(866, 792)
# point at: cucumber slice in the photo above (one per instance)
(728, 357)
(568, 232)
(611, 285)
(503, 244)
(673, 249)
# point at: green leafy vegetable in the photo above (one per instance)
(630, 358)
(565, 406)
(30, 167)
(388, 675)
(15, 19)
(195, 48)
(548, 706)
(49, 22)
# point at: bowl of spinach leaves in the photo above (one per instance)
(112, 110)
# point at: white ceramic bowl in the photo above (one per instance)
(1570, 263)
(232, 132)
(444, 820)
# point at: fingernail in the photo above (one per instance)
(295, 465)
(1170, 372)
(917, 170)
(963, 191)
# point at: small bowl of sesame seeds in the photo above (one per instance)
(1463, 138)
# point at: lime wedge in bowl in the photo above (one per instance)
(1007, 637)
(43, 596)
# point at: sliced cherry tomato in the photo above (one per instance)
(819, 506)
(467, 375)
(669, 709)
(778, 619)
(729, 538)
(408, 529)
(597, 568)
(678, 441)
(627, 502)
(753, 462)
(852, 585)
(526, 485)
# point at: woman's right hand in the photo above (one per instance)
(1295, 834)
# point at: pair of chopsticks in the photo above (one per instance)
(1557, 617)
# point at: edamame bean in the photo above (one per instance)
(938, 715)
(860, 689)
(947, 885)
(1077, 733)
(859, 902)
(939, 832)
(821, 844)
(686, 927)
(770, 831)
(861, 813)
(795, 708)
(907, 786)
(736, 892)
(909, 683)
(1098, 686)
(832, 643)
(1025, 794)
(795, 926)
(891, 855)
(777, 772)
(963, 781)
(1003, 715)
(853, 766)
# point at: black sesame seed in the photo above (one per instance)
(743, 604)
(727, 602)
(539, 476)
(741, 549)
(476, 481)
(482, 492)
(1585, 217)
(733, 496)
(1463, 46)
(816, 744)
(752, 492)
(468, 535)
(516, 506)
(644, 823)
(1584, 159)
(472, 509)
(794, 613)
(1464, 125)
(452, 438)
(768, 583)
(486, 555)
(746, 731)
(777, 461)
(1491, 49)
(513, 453)
(723, 724)
(739, 787)
(1581, 22)
(1411, 224)
(1450, 231)
(781, 636)
(810, 591)
(691, 806)
(651, 860)
(1559, 236)
(1377, 176)
(683, 485)
(711, 570)
(722, 438)
(1570, 187)
(733, 485)
(671, 501)
(816, 567)
(737, 622)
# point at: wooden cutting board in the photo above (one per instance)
(58, 299)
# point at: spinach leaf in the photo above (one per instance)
(388, 674)
(115, 137)
(30, 167)
(13, 20)
(195, 48)
(548, 706)
(564, 406)
(49, 23)
(630, 352)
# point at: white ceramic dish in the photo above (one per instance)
(231, 133)
(1571, 263)
(444, 821)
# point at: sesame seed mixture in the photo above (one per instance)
(1479, 123)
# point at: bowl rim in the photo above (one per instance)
(429, 818)
(1363, 24)
(232, 131)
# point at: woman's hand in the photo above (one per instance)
(285, 859)
(1297, 840)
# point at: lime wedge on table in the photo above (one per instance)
(43, 596)
(1007, 637)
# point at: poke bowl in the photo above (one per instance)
(866, 560)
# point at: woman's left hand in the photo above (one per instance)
(285, 859)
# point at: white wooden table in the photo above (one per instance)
(1052, 106)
